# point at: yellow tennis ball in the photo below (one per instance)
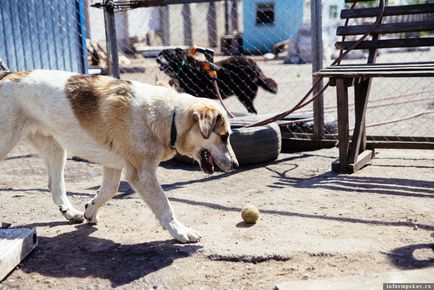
(250, 214)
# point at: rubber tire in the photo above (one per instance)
(256, 144)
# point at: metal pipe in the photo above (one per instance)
(317, 64)
(111, 39)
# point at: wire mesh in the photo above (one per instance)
(276, 35)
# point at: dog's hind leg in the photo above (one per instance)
(55, 158)
(248, 103)
(7, 141)
(110, 185)
(11, 131)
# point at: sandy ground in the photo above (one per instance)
(314, 224)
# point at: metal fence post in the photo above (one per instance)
(110, 34)
(186, 15)
(212, 24)
(317, 64)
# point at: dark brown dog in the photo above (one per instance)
(237, 75)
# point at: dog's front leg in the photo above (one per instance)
(147, 186)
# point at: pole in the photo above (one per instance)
(234, 16)
(212, 24)
(111, 39)
(186, 15)
(317, 64)
(226, 17)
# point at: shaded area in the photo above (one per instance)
(352, 183)
(404, 257)
(248, 258)
(310, 216)
(77, 254)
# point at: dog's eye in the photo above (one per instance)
(224, 138)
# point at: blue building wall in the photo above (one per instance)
(47, 34)
(260, 38)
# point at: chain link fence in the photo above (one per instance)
(275, 34)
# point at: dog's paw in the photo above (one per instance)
(72, 215)
(89, 214)
(183, 233)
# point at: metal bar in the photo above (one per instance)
(234, 16)
(82, 28)
(164, 24)
(186, 15)
(110, 34)
(226, 17)
(212, 24)
(317, 64)
(147, 3)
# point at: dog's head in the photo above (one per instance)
(207, 139)
(170, 61)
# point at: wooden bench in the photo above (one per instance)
(357, 152)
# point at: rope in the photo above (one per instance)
(342, 54)
(216, 86)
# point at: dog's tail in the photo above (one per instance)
(267, 84)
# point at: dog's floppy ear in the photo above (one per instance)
(180, 51)
(206, 119)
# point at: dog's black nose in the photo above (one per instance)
(235, 165)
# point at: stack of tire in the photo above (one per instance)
(251, 145)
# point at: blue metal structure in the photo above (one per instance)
(284, 17)
(47, 34)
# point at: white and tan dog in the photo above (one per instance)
(118, 124)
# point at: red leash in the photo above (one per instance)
(210, 67)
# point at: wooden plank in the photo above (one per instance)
(379, 69)
(364, 74)
(352, 1)
(363, 159)
(400, 145)
(387, 43)
(15, 245)
(401, 139)
(376, 66)
(386, 28)
(147, 3)
(388, 11)
(343, 127)
(361, 94)
(371, 139)
(380, 64)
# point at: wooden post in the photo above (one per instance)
(226, 17)
(343, 126)
(122, 30)
(164, 24)
(317, 64)
(86, 15)
(212, 24)
(111, 39)
(234, 15)
(186, 16)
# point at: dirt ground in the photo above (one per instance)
(314, 224)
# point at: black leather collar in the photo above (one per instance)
(4, 74)
(173, 132)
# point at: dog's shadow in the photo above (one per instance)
(77, 254)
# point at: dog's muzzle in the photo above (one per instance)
(208, 162)
(163, 64)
